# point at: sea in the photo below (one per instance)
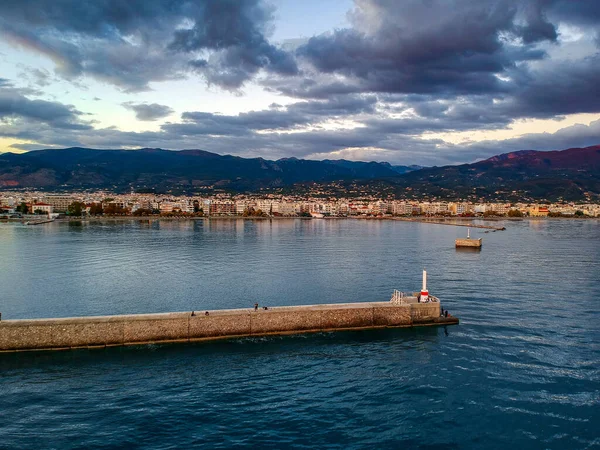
(520, 371)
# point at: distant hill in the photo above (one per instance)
(371, 167)
(164, 169)
(572, 174)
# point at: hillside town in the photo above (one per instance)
(54, 205)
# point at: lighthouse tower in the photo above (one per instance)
(424, 292)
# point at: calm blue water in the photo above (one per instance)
(521, 370)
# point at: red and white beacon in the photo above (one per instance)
(424, 292)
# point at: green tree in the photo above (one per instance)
(114, 209)
(22, 208)
(75, 209)
(515, 213)
(142, 212)
(96, 209)
(490, 214)
(251, 212)
(579, 213)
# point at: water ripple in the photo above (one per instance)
(522, 369)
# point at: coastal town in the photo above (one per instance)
(17, 205)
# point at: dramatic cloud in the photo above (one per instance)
(455, 65)
(16, 106)
(371, 142)
(442, 49)
(132, 43)
(148, 112)
(276, 117)
(235, 32)
(453, 47)
(378, 88)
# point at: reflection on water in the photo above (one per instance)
(468, 249)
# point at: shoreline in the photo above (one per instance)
(432, 220)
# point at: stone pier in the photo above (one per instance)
(137, 329)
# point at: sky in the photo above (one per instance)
(428, 82)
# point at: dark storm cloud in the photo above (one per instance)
(582, 12)
(231, 67)
(420, 47)
(537, 27)
(15, 105)
(492, 58)
(235, 32)
(275, 118)
(133, 43)
(438, 47)
(148, 111)
(558, 88)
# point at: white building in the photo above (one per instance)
(44, 207)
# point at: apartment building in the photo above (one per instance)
(59, 203)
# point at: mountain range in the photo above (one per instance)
(160, 169)
(572, 174)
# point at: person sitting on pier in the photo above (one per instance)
(265, 308)
(206, 313)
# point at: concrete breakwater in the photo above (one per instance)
(106, 331)
(474, 243)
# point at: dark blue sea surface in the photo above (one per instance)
(522, 370)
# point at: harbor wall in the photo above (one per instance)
(468, 243)
(104, 331)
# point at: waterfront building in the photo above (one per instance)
(434, 208)
(222, 208)
(538, 210)
(264, 205)
(401, 208)
(460, 208)
(59, 202)
(7, 209)
(567, 210)
(43, 207)
(289, 208)
(242, 205)
(500, 208)
(379, 207)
